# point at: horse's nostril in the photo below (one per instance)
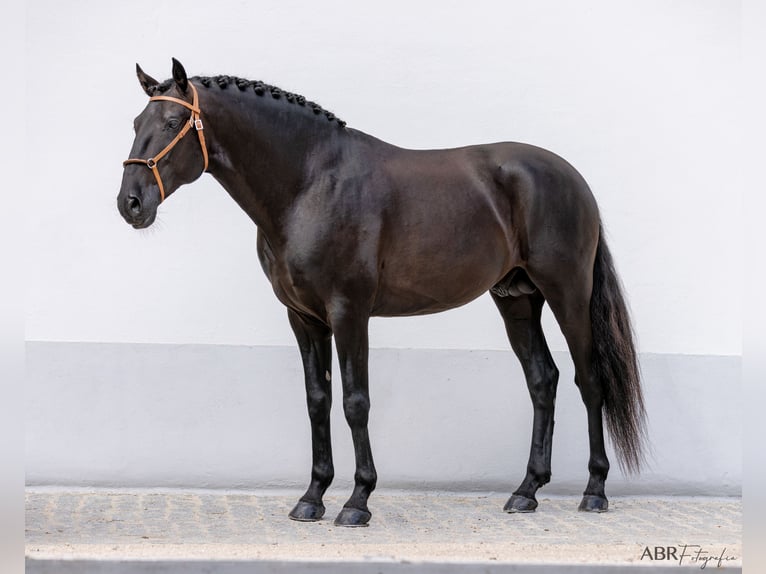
(134, 204)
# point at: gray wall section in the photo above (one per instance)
(208, 416)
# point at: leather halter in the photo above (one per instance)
(194, 121)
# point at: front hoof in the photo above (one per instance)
(519, 503)
(353, 517)
(307, 511)
(593, 503)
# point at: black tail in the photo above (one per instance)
(615, 362)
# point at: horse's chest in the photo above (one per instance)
(293, 280)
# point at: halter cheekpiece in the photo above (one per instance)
(194, 121)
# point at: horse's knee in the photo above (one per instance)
(319, 404)
(356, 407)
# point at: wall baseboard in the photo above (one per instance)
(215, 416)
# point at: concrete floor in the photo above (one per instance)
(232, 532)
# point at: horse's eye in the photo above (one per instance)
(173, 123)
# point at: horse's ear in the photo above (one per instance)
(147, 82)
(179, 75)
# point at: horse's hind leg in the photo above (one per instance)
(571, 307)
(522, 323)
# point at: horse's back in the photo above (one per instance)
(456, 221)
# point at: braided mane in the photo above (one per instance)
(259, 88)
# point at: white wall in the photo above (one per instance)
(640, 96)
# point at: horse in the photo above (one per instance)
(350, 227)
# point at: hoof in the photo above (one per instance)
(307, 511)
(593, 503)
(519, 503)
(353, 517)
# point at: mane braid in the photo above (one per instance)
(260, 88)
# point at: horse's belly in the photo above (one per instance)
(442, 253)
(422, 285)
(403, 304)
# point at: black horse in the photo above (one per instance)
(351, 227)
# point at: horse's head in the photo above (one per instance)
(162, 159)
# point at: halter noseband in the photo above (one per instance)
(194, 120)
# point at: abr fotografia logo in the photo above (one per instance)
(687, 554)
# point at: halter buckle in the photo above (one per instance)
(197, 124)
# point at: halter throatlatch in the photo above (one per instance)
(194, 121)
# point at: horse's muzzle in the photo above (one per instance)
(135, 211)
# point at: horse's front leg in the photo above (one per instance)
(314, 342)
(351, 340)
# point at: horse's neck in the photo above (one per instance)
(260, 152)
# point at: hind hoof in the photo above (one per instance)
(353, 517)
(593, 503)
(307, 511)
(519, 503)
